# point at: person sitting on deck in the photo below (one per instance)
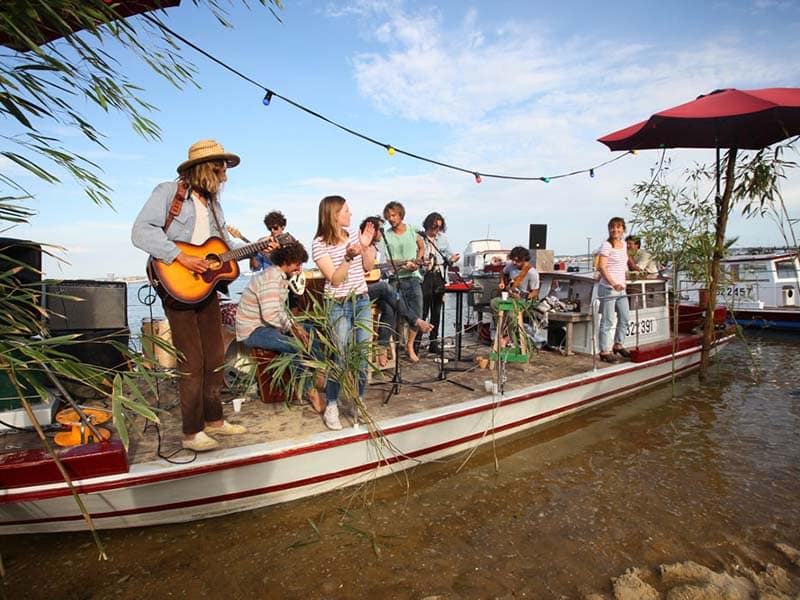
(263, 319)
(519, 278)
(638, 259)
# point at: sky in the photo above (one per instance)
(511, 87)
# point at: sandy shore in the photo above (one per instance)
(692, 581)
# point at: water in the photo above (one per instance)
(711, 475)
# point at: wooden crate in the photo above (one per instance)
(268, 391)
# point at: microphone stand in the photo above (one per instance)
(442, 369)
(397, 379)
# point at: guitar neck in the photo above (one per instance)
(244, 251)
(398, 263)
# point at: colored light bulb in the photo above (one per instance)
(478, 178)
(390, 150)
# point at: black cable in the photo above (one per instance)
(146, 295)
(30, 428)
(389, 148)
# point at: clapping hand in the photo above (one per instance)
(365, 237)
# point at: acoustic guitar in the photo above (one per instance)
(189, 287)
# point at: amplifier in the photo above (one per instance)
(24, 255)
(82, 305)
(93, 347)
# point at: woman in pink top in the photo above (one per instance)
(613, 264)
(343, 256)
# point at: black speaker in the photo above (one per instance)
(81, 305)
(538, 237)
(29, 254)
(95, 347)
(556, 336)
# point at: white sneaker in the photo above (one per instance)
(225, 429)
(200, 443)
(331, 417)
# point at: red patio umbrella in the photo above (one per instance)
(61, 20)
(729, 118)
(743, 119)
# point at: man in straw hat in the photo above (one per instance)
(188, 210)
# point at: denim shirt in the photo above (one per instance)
(442, 244)
(148, 230)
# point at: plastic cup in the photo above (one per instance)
(495, 389)
(237, 404)
(487, 385)
(504, 295)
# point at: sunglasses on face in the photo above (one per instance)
(275, 227)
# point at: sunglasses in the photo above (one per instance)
(275, 227)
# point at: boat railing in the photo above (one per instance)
(649, 313)
(595, 317)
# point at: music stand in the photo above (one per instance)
(443, 370)
(397, 379)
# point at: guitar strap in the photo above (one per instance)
(181, 194)
(521, 276)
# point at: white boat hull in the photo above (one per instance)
(263, 474)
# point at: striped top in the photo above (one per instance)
(354, 282)
(263, 303)
(617, 265)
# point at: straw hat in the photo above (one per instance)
(206, 150)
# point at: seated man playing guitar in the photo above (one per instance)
(519, 278)
(263, 319)
(275, 223)
(178, 219)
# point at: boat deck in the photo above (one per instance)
(296, 422)
(299, 421)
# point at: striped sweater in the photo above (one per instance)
(264, 303)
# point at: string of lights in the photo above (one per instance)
(270, 94)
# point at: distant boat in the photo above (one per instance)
(483, 256)
(759, 290)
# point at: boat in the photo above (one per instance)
(758, 290)
(483, 256)
(287, 453)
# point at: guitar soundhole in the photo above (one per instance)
(213, 262)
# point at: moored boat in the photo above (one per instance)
(758, 290)
(287, 454)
